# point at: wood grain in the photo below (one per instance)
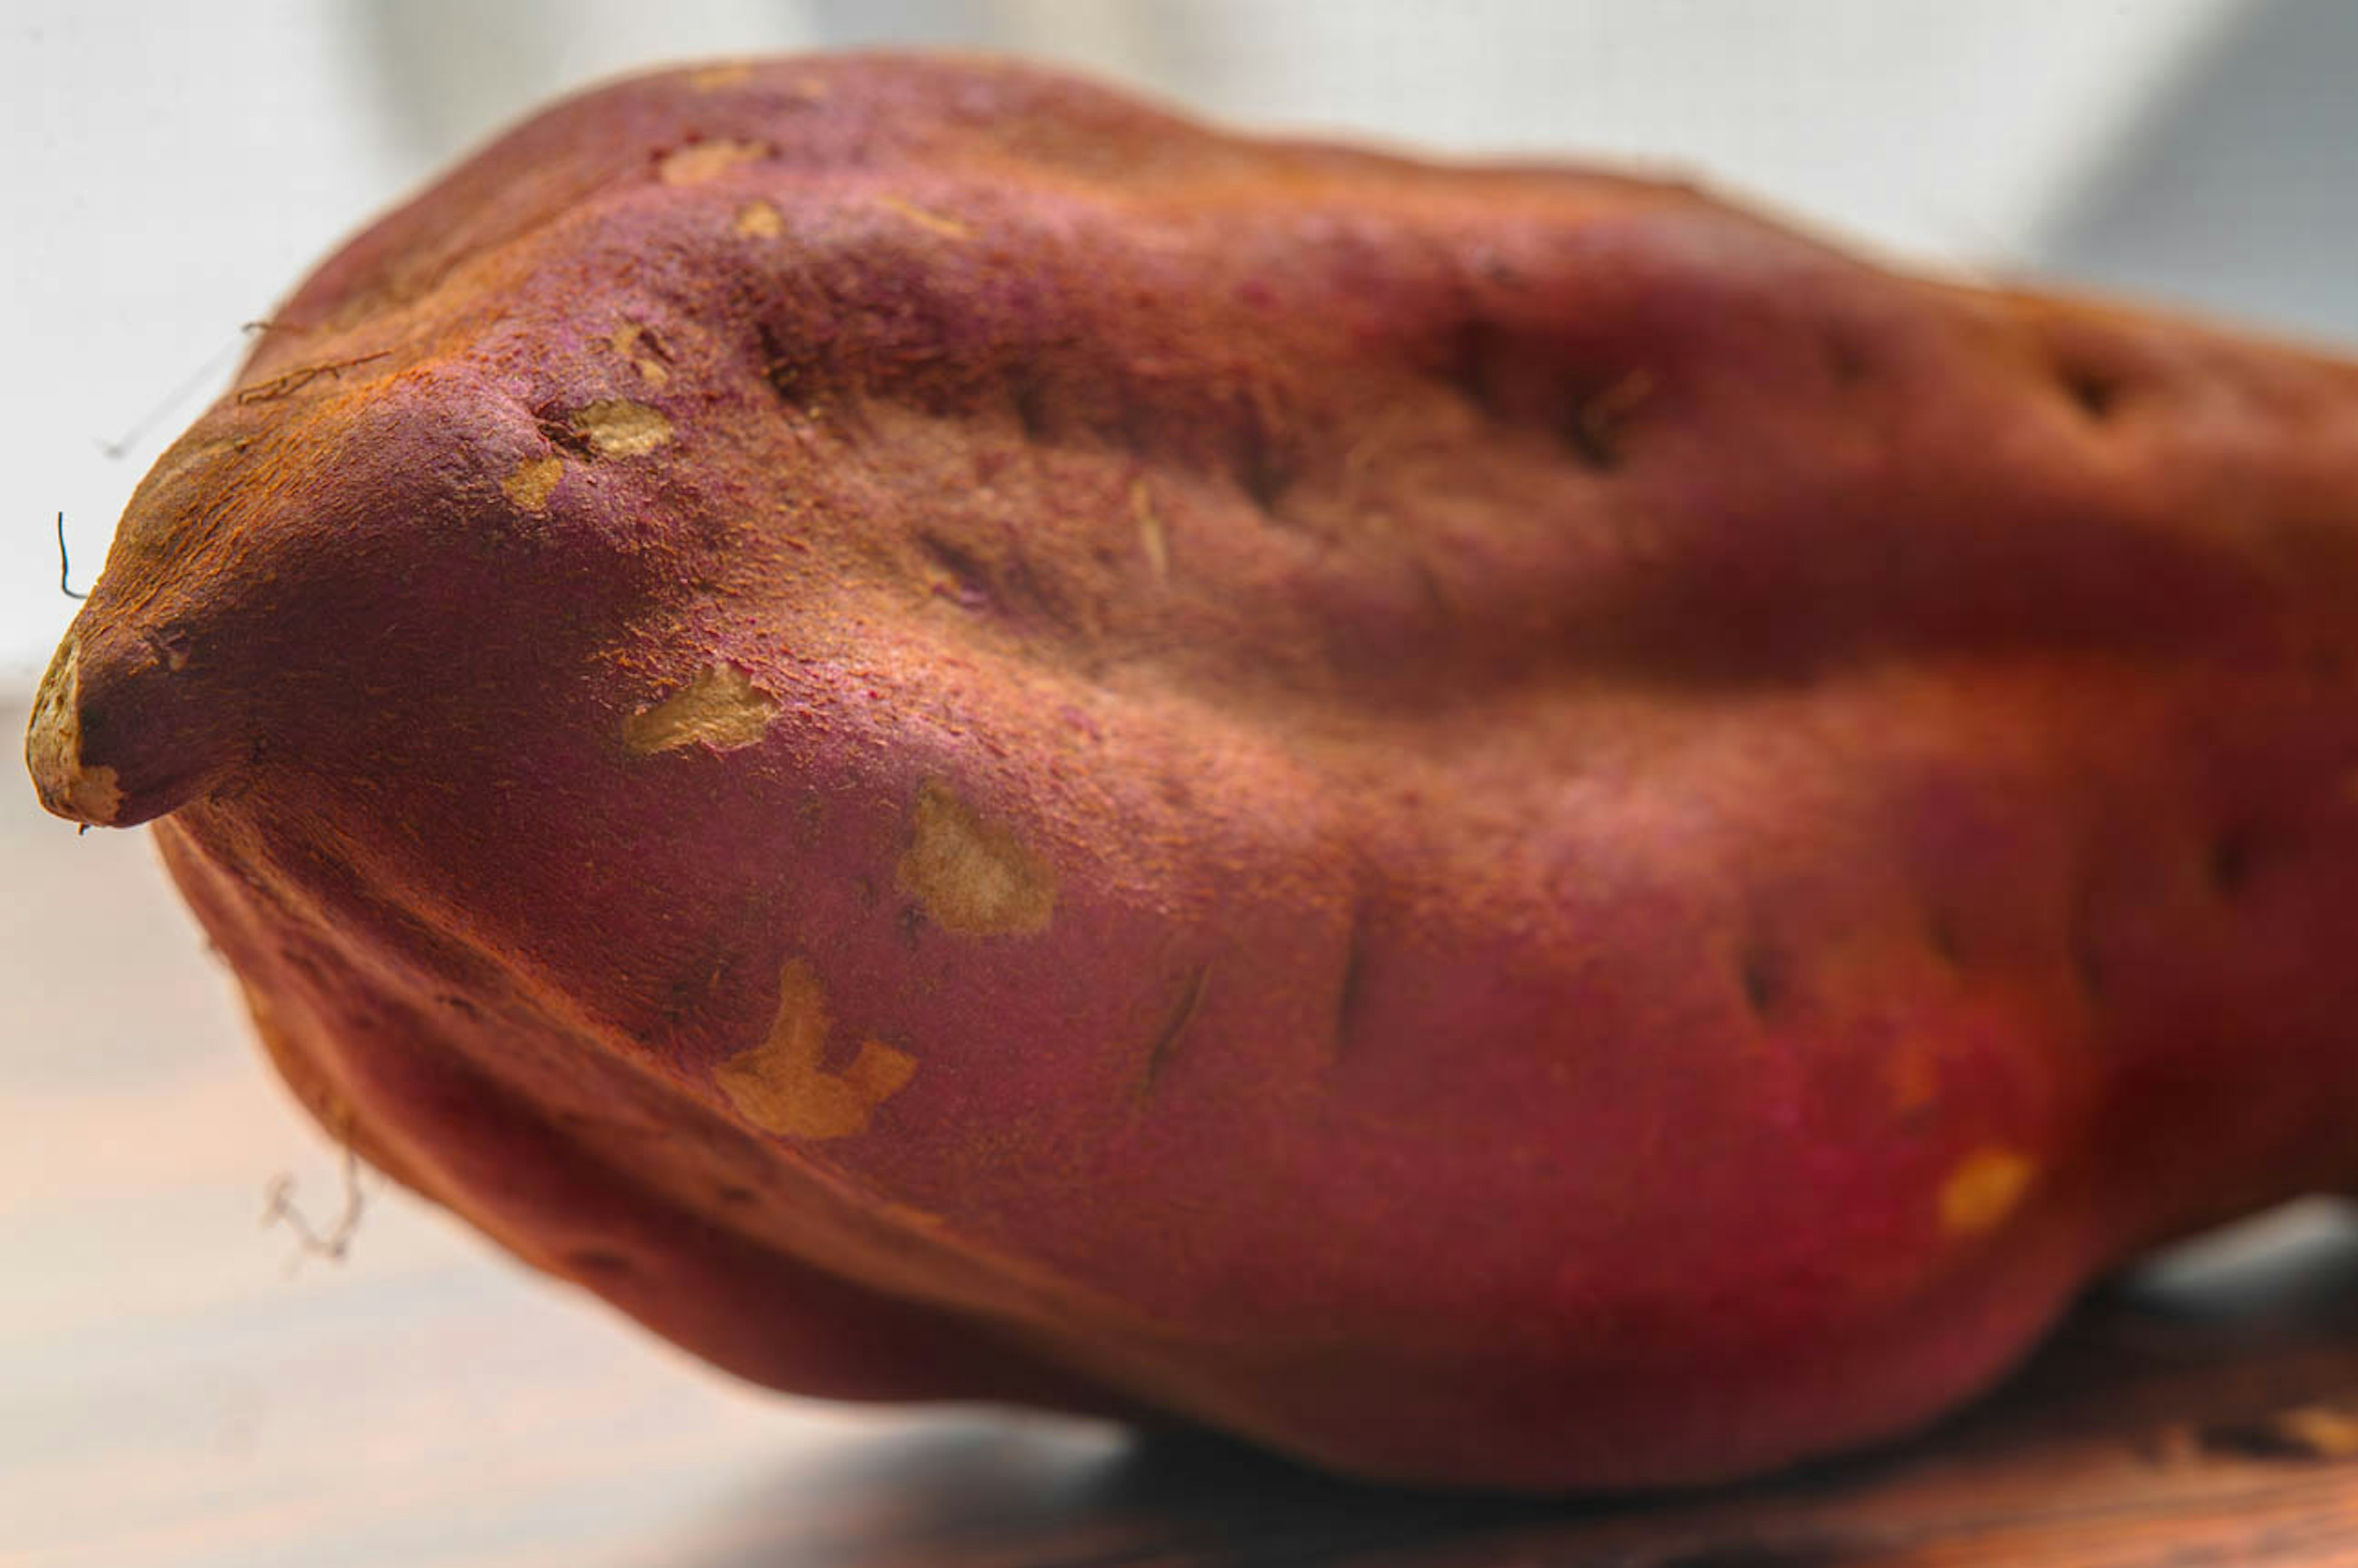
(181, 1385)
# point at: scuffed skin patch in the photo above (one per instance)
(53, 748)
(1151, 538)
(973, 876)
(780, 1086)
(759, 221)
(627, 341)
(531, 484)
(934, 223)
(2326, 1432)
(618, 428)
(700, 161)
(722, 709)
(719, 78)
(1985, 1186)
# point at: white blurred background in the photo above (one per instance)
(174, 170)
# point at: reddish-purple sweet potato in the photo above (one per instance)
(955, 739)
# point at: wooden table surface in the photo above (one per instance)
(181, 1384)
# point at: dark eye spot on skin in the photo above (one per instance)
(2097, 395)
(1941, 935)
(1846, 361)
(1762, 973)
(2233, 855)
(598, 1263)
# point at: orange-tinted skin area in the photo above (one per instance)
(955, 739)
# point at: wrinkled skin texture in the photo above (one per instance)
(956, 739)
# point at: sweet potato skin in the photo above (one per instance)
(958, 739)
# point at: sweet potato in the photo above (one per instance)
(956, 739)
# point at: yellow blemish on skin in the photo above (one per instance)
(53, 748)
(1151, 538)
(759, 221)
(530, 486)
(626, 340)
(780, 1084)
(1601, 415)
(700, 161)
(718, 78)
(973, 876)
(722, 709)
(2325, 1431)
(948, 228)
(1985, 1188)
(620, 429)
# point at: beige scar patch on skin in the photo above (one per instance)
(973, 876)
(700, 161)
(628, 338)
(618, 428)
(1151, 536)
(780, 1084)
(759, 221)
(722, 709)
(2327, 1432)
(530, 486)
(934, 223)
(718, 78)
(1984, 1188)
(53, 748)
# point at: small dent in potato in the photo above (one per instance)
(759, 221)
(973, 876)
(531, 482)
(617, 427)
(721, 709)
(782, 1086)
(2097, 395)
(700, 161)
(2231, 859)
(1984, 1188)
(1597, 429)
